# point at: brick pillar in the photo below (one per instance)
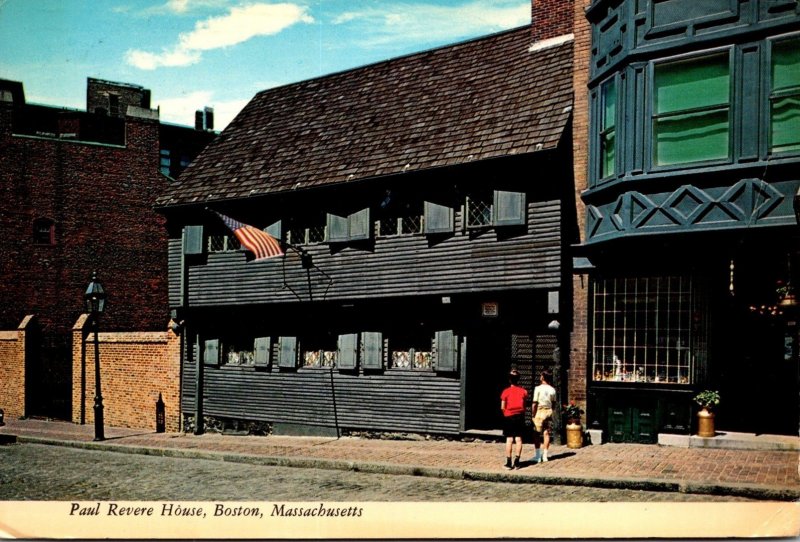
(580, 141)
(80, 369)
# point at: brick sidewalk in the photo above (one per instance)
(758, 474)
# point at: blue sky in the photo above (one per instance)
(219, 53)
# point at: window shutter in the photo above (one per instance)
(288, 352)
(438, 218)
(446, 351)
(348, 354)
(360, 226)
(262, 347)
(275, 229)
(373, 350)
(193, 239)
(211, 352)
(509, 208)
(338, 228)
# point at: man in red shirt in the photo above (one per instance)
(512, 403)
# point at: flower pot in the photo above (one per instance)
(705, 423)
(574, 435)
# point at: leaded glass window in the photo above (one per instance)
(784, 100)
(648, 329)
(608, 132)
(479, 210)
(309, 233)
(406, 224)
(223, 243)
(691, 110)
(413, 351)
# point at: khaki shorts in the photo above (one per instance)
(543, 421)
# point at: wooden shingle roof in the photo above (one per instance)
(480, 99)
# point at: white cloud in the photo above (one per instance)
(239, 25)
(390, 23)
(180, 110)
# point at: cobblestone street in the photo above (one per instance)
(37, 472)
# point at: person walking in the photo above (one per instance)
(544, 399)
(512, 403)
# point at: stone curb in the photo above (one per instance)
(752, 491)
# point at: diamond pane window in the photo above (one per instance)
(608, 128)
(648, 329)
(479, 211)
(411, 351)
(785, 96)
(223, 243)
(308, 234)
(408, 224)
(691, 112)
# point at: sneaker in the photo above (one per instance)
(544, 458)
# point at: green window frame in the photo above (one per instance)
(608, 128)
(784, 97)
(691, 116)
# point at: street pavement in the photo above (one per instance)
(765, 474)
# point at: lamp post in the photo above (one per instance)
(95, 298)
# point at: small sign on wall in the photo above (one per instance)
(490, 309)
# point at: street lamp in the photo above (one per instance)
(95, 298)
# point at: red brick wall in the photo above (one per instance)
(552, 18)
(134, 368)
(12, 369)
(580, 140)
(100, 198)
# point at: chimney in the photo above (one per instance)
(209, 113)
(551, 18)
(198, 120)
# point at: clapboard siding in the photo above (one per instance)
(393, 401)
(391, 266)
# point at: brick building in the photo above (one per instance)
(76, 195)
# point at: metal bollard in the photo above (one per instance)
(161, 425)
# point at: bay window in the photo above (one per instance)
(784, 98)
(691, 110)
(608, 123)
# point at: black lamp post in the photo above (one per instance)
(95, 298)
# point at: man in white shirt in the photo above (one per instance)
(544, 401)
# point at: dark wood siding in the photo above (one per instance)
(395, 266)
(394, 401)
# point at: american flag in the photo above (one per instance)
(259, 242)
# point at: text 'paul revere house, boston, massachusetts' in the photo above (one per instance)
(425, 204)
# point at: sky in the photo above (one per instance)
(220, 53)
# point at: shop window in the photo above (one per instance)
(44, 232)
(608, 132)
(691, 110)
(648, 329)
(784, 98)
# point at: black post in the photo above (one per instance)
(98, 396)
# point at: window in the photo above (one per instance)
(647, 329)
(608, 132)
(784, 98)
(411, 351)
(406, 221)
(223, 243)
(44, 232)
(310, 233)
(165, 161)
(691, 110)
(318, 352)
(479, 211)
(239, 352)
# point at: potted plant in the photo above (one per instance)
(572, 413)
(707, 400)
